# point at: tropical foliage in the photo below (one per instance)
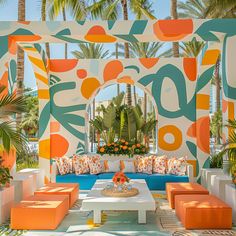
(30, 119)
(122, 147)
(216, 126)
(5, 175)
(10, 105)
(91, 51)
(120, 121)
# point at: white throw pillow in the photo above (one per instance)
(112, 166)
(127, 166)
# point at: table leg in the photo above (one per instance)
(97, 217)
(142, 217)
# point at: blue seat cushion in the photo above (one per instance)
(158, 181)
(129, 175)
(86, 181)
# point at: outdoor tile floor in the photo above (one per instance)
(162, 222)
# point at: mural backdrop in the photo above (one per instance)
(180, 87)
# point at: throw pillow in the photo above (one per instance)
(127, 166)
(160, 164)
(80, 164)
(95, 165)
(112, 166)
(177, 166)
(64, 165)
(144, 164)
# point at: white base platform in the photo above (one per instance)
(6, 202)
(230, 198)
(142, 202)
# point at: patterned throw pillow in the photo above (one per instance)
(177, 166)
(64, 165)
(112, 166)
(127, 166)
(160, 164)
(144, 164)
(80, 164)
(95, 165)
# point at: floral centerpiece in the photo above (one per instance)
(122, 147)
(120, 179)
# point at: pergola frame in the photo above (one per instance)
(220, 35)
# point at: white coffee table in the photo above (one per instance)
(142, 202)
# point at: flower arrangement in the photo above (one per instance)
(234, 178)
(122, 147)
(120, 178)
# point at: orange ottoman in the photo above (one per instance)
(173, 189)
(71, 190)
(203, 212)
(39, 212)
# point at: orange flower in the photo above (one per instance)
(133, 146)
(108, 144)
(116, 149)
(126, 143)
(122, 140)
(102, 149)
(138, 145)
(125, 147)
(122, 180)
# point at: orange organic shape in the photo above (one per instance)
(210, 57)
(126, 80)
(54, 126)
(190, 68)
(26, 38)
(170, 30)
(81, 73)
(201, 131)
(97, 34)
(62, 65)
(89, 86)
(4, 82)
(58, 145)
(177, 134)
(148, 62)
(112, 70)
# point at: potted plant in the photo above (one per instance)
(5, 175)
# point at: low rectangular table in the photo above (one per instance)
(142, 202)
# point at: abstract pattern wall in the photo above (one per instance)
(180, 87)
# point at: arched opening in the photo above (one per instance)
(113, 95)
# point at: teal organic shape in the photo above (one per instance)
(12, 74)
(44, 119)
(80, 22)
(127, 37)
(229, 91)
(138, 27)
(64, 115)
(68, 39)
(80, 149)
(54, 79)
(207, 29)
(64, 32)
(192, 148)
(187, 109)
(3, 45)
(133, 68)
(204, 78)
(111, 23)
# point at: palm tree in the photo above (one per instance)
(43, 16)
(174, 15)
(91, 51)
(10, 105)
(77, 8)
(192, 48)
(30, 119)
(110, 10)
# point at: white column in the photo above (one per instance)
(97, 218)
(142, 217)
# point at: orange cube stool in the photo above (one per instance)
(203, 212)
(72, 190)
(39, 212)
(173, 189)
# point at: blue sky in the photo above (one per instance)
(8, 12)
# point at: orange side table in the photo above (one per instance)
(39, 212)
(173, 189)
(203, 212)
(72, 190)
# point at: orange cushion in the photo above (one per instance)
(173, 189)
(71, 190)
(39, 212)
(203, 212)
